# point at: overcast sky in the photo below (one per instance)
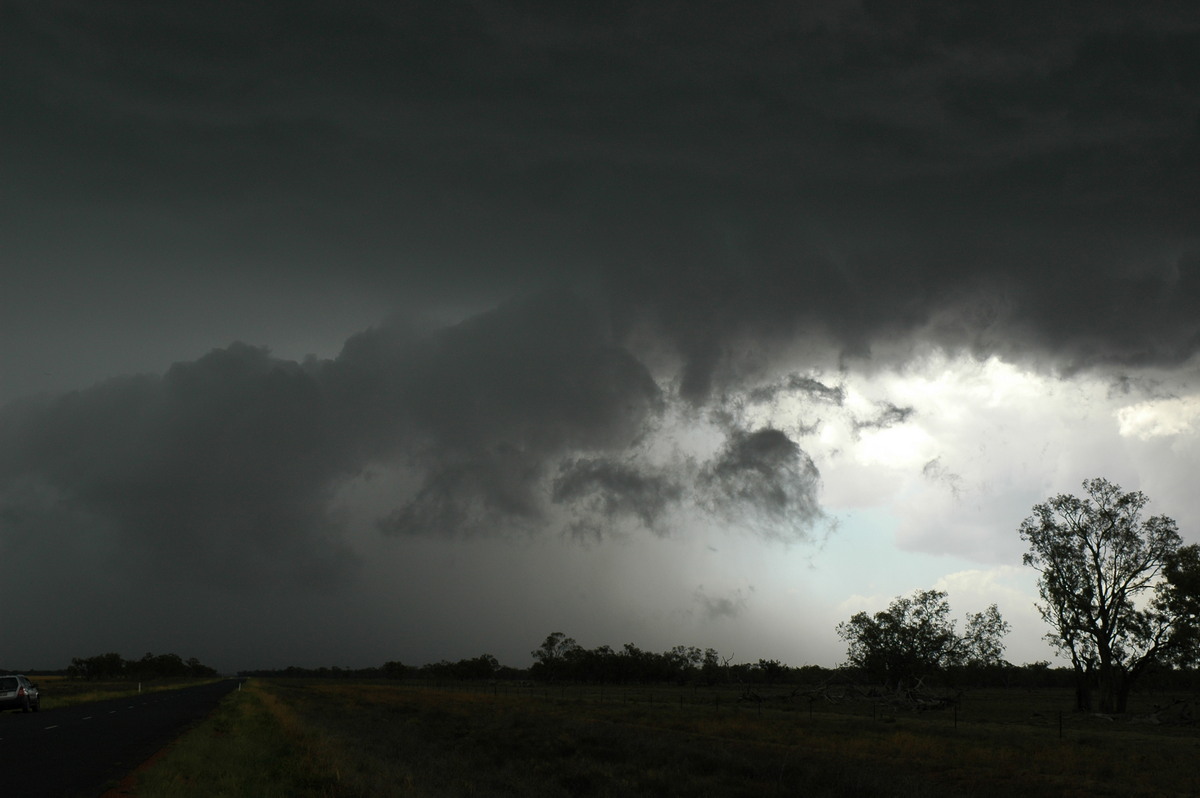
(337, 333)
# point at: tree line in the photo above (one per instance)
(485, 666)
(112, 666)
(604, 665)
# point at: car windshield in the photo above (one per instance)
(8, 683)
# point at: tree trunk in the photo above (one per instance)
(1083, 691)
(1107, 697)
(1083, 698)
(1114, 691)
(1122, 698)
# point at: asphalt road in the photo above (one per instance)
(80, 751)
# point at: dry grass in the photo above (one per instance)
(388, 739)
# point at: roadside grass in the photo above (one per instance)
(346, 740)
(249, 746)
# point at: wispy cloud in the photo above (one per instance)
(715, 608)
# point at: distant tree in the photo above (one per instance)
(915, 637)
(636, 665)
(983, 638)
(393, 669)
(682, 664)
(101, 666)
(594, 665)
(712, 670)
(771, 669)
(162, 665)
(196, 668)
(553, 658)
(1120, 592)
(482, 667)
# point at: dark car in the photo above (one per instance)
(17, 692)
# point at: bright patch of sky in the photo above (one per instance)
(1159, 418)
(935, 498)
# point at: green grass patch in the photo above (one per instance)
(246, 747)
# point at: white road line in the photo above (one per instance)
(48, 728)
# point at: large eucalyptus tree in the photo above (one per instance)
(1119, 591)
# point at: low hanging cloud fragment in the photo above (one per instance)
(765, 481)
(471, 498)
(889, 415)
(603, 493)
(715, 608)
(799, 384)
(490, 407)
(936, 471)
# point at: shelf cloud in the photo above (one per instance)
(341, 301)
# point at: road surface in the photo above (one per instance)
(82, 750)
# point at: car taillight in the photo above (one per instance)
(20, 692)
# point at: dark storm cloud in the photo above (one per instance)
(797, 384)
(726, 193)
(609, 491)
(613, 223)
(217, 471)
(1012, 180)
(488, 405)
(224, 468)
(765, 481)
(481, 495)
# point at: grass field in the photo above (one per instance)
(59, 691)
(328, 738)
